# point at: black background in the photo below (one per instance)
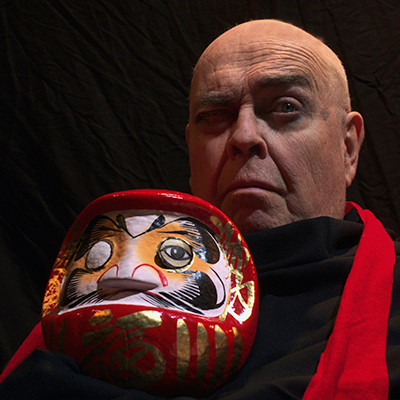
(93, 99)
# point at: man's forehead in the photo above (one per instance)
(258, 51)
(276, 65)
(225, 92)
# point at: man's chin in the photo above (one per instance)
(257, 212)
(248, 221)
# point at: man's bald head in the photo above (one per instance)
(277, 37)
(272, 138)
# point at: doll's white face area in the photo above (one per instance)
(155, 259)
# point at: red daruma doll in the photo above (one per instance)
(153, 290)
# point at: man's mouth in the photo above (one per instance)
(250, 185)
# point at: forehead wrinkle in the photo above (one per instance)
(298, 61)
(318, 63)
(271, 55)
(290, 51)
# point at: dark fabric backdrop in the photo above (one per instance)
(93, 99)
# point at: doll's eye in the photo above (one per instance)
(175, 253)
(98, 255)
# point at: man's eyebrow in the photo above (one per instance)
(220, 99)
(212, 99)
(285, 80)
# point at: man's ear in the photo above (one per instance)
(353, 140)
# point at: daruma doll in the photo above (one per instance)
(153, 290)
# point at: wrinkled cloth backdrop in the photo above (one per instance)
(93, 100)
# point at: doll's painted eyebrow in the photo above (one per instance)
(105, 228)
(189, 229)
(101, 229)
(120, 225)
(199, 236)
(97, 229)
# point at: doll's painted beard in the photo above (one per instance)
(167, 260)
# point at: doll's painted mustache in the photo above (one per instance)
(197, 293)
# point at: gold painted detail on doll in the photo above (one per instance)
(221, 351)
(203, 353)
(52, 295)
(137, 363)
(134, 326)
(215, 355)
(101, 317)
(237, 353)
(182, 350)
(238, 257)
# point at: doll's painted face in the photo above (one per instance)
(165, 260)
(153, 290)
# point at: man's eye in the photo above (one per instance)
(98, 255)
(175, 253)
(284, 111)
(214, 117)
(286, 107)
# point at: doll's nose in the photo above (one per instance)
(147, 272)
(141, 277)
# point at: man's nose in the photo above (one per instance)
(245, 137)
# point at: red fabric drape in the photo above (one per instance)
(353, 365)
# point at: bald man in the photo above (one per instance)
(274, 144)
(272, 138)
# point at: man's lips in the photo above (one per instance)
(243, 185)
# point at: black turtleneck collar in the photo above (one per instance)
(305, 241)
(296, 256)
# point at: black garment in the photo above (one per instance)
(302, 270)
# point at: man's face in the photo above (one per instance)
(266, 140)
